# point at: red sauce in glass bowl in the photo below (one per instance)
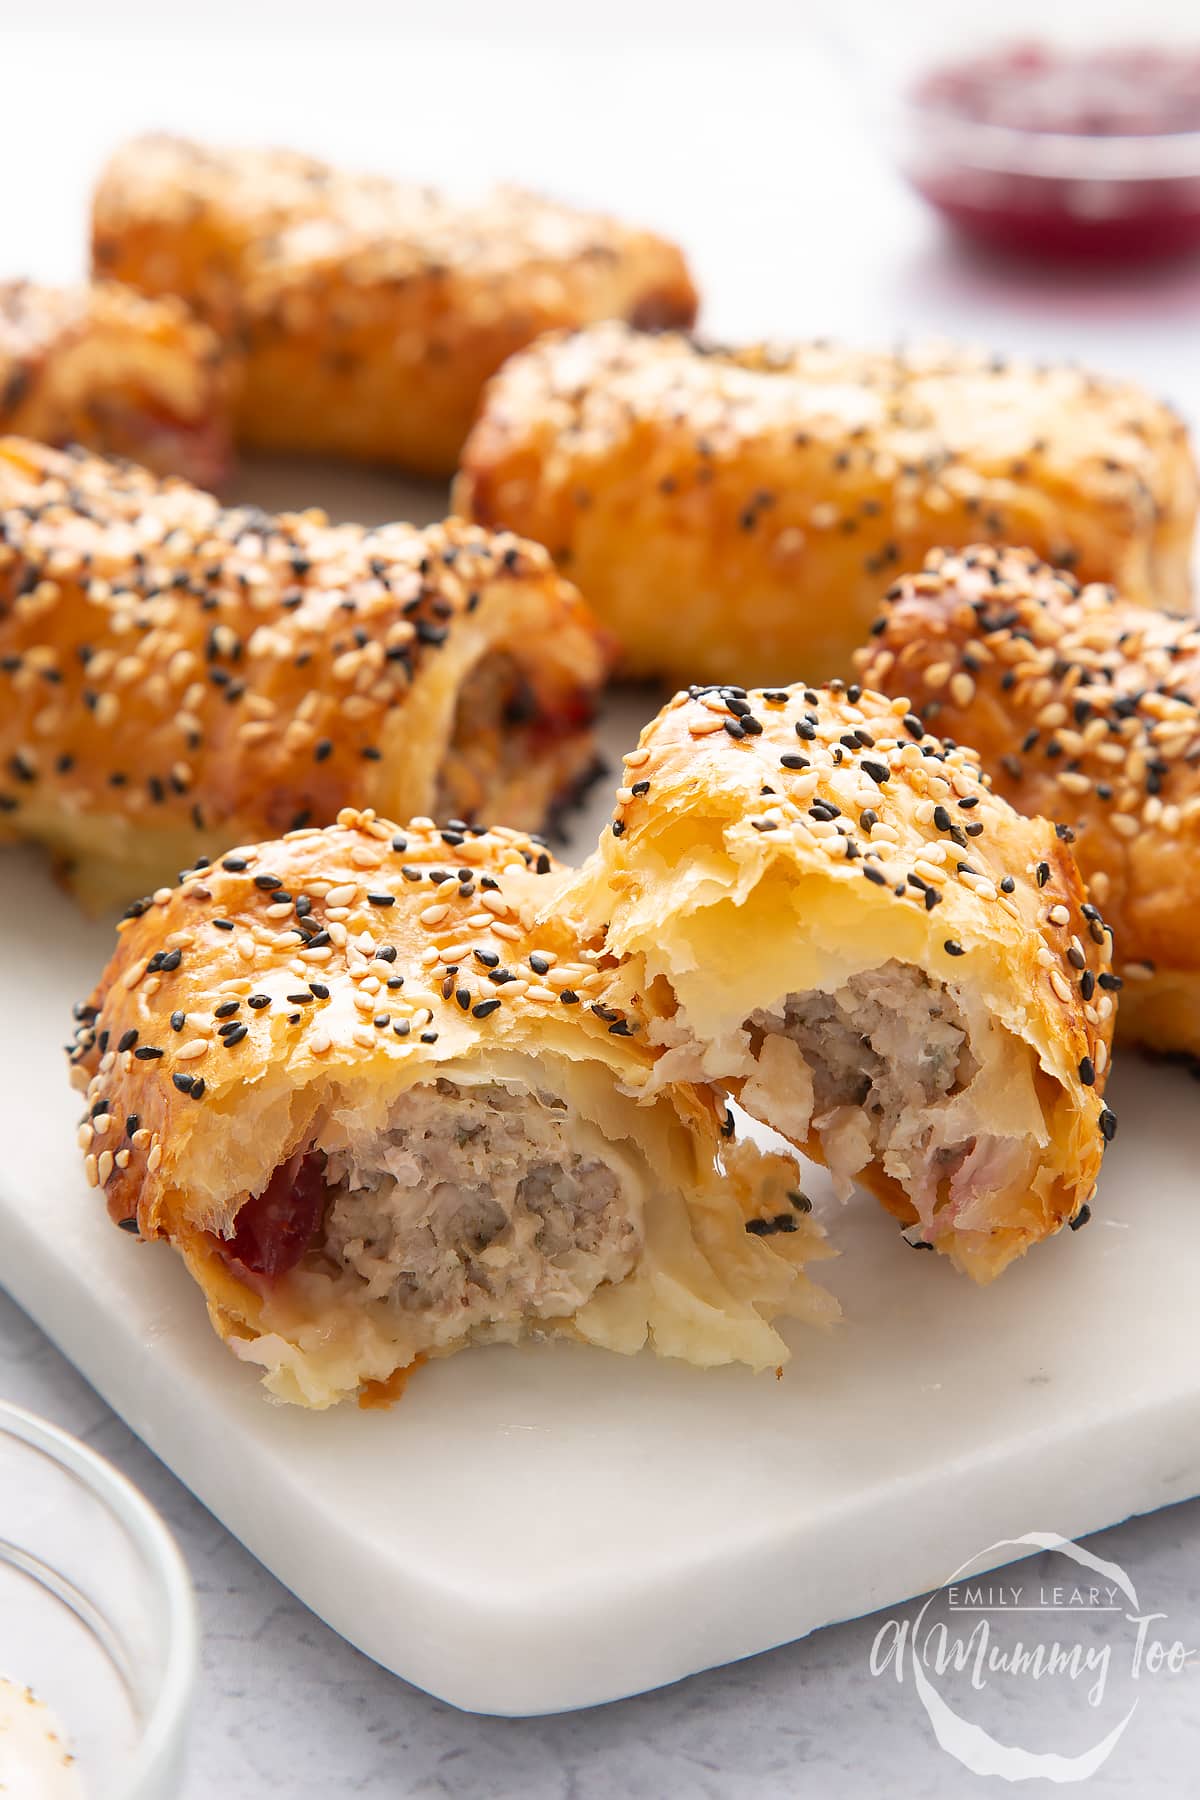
(1091, 153)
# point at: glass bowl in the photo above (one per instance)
(1061, 131)
(96, 1618)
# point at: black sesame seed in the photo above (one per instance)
(235, 1036)
(268, 883)
(1087, 1071)
(874, 874)
(1108, 1125)
(794, 762)
(226, 1009)
(568, 997)
(879, 772)
(1081, 1217)
(952, 948)
(257, 1001)
(1043, 873)
(178, 1021)
(482, 1008)
(183, 1082)
(148, 1052)
(127, 1039)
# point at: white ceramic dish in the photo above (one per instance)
(532, 1530)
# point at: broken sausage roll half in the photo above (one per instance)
(1086, 706)
(830, 913)
(175, 675)
(383, 1119)
(102, 365)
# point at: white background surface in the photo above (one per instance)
(740, 141)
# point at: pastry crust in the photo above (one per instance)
(1082, 707)
(733, 515)
(175, 676)
(103, 366)
(293, 997)
(830, 913)
(371, 311)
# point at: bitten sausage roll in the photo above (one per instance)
(105, 367)
(174, 675)
(371, 311)
(830, 913)
(1084, 708)
(383, 1119)
(733, 514)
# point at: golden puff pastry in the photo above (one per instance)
(1082, 707)
(371, 311)
(105, 367)
(831, 914)
(174, 676)
(733, 515)
(383, 1118)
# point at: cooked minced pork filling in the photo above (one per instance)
(477, 1205)
(889, 1046)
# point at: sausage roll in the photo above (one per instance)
(383, 1117)
(1084, 708)
(105, 367)
(174, 676)
(733, 514)
(831, 914)
(371, 311)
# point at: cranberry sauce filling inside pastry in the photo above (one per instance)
(174, 675)
(105, 367)
(828, 912)
(384, 1116)
(732, 515)
(1085, 707)
(370, 312)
